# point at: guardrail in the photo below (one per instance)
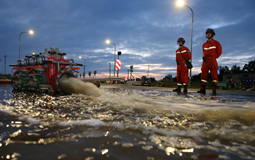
(103, 79)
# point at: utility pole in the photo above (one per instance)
(5, 65)
(109, 69)
(84, 67)
(148, 71)
(128, 73)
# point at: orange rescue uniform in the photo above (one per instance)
(182, 69)
(211, 50)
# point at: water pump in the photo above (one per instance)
(42, 72)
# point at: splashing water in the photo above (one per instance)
(74, 85)
(147, 124)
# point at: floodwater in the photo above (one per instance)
(126, 124)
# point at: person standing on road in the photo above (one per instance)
(182, 69)
(211, 49)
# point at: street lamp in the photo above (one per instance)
(30, 32)
(80, 57)
(108, 42)
(181, 3)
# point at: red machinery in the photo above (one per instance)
(42, 72)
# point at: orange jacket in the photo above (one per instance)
(186, 53)
(212, 49)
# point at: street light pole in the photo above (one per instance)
(192, 16)
(5, 65)
(80, 57)
(20, 42)
(180, 2)
(148, 71)
(84, 68)
(109, 69)
(114, 67)
(30, 32)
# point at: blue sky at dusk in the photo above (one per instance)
(145, 31)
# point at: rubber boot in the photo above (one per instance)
(214, 90)
(185, 90)
(202, 89)
(178, 89)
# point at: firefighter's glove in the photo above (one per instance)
(204, 59)
(177, 63)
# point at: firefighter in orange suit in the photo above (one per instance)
(211, 50)
(182, 69)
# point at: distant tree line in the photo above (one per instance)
(7, 76)
(248, 68)
(151, 78)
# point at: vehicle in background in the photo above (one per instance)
(130, 81)
(146, 82)
(137, 82)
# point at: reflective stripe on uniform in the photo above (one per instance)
(182, 51)
(210, 48)
(203, 80)
(179, 84)
(184, 84)
(214, 81)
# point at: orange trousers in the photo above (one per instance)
(209, 65)
(182, 74)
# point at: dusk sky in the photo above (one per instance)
(145, 31)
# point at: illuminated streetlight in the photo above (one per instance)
(30, 32)
(181, 3)
(108, 42)
(80, 57)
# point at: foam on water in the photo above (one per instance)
(74, 85)
(204, 109)
(173, 124)
(207, 109)
(87, 122)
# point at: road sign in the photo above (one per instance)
(118, 64)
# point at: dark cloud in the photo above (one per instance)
(145, 31)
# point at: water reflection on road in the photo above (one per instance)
(131, 123)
